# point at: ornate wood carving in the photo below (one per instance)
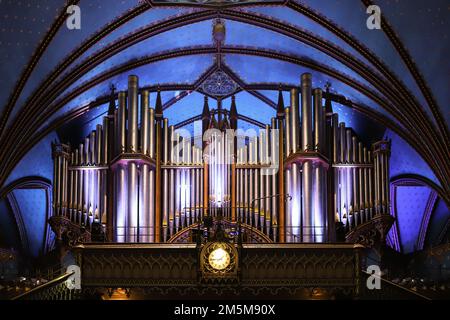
(266, 269)
(372, 234)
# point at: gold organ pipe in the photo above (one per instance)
(370, 178)
(157, 224)
(281, 183)
(318, 120)
(132, 115)
(366, 185)
(355, 181)
(151, 113)
(166, 191)
(262, 208)
(145, 130)
(294, 117)
(306, 84)
(288, 131)
(361, 182)
(122, 115)
(274, 162)
(267, 172)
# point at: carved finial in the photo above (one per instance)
(112, 100)
(280, 104)
(158, 105)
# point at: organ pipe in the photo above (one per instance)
(152, 181)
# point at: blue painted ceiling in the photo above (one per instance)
(422, 27)
(25, 23)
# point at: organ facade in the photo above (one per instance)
(304, 177)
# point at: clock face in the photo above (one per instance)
(219, 259)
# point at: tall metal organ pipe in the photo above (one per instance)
(113, 173)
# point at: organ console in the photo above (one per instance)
(146, 181)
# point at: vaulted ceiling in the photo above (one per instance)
(54, 78)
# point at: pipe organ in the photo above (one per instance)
(296, 180)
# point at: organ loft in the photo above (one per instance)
(221, 150)
(303, 178)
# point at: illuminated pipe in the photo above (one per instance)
(122, 232)
(99, 173)
(274, 163)
(57, 170)
(366, 185)
(318, 205)
(132, 222)
(98, 144)
(335, 125)
(381, 157)
(80, 184)
(64, 185)
(151, 152)
(376, 183)
(144, 203)
(307, 218)
(318, 120)
(92, 177)
(71, 186)
(248, 185)
(294, 118)
(92, 139)
(268, 180)
(55, 181)
(296, 214)
(361, 183)
(342, 142)
(61, 184)
(105, 141)
(75, 187)
(238, 185)
(256, 195)
(145, 122)
(288, 180)
(146, 183)
(122, 115)
(320, 209)
(199, 186)
(133, 114)
(151, 219)
(349, 176)
(370, 178)
(182, 183)
(106, 176)
(355, 183)
(288, 132)
(58, 184)
(386, 182)
(307, 200)
(115, 135)
(243, 182)
(203, 187)
(262, 207)
(166, 189)
(87, 178)
(194, 182)
(336, 153)
(177, 183)
(187, 183)
(172, 181)
(306, 84)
